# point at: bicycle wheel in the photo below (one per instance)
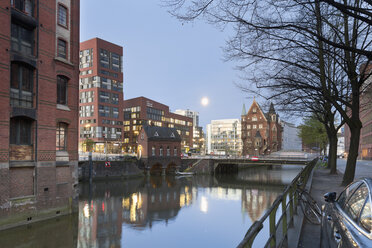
(310, 208)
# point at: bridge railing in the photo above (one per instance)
(287, 204)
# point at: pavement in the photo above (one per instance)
(322, 183)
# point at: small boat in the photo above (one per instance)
(178, 173)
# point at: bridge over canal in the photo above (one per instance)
(228, 165)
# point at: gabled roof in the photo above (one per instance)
(258, 106)
(161, 133)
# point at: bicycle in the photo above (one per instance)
(309, 206)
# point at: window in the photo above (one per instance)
(254, 118)
(254, 126)
(62, 90)
(62, 15)
(161, 151)
(168, 151)
(175, 151)
(20, 131)
(153, 151)
(356, 202)
(22, 39)
(25, 6)
(21, 84)
(254, 110)
(366, 218)
(61, 136)
(62, 49)
(260, 126)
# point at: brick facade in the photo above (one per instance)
(159, 149)
(33, 106)
(261, 133)
(143, 111)
(100, 82)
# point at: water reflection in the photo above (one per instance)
(163, 212)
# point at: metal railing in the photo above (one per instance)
(287, 202)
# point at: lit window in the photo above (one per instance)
(62, 49)
(61, 136)
(62, 15)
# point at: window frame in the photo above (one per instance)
(23, 9)
(62, 6)
(60, 89)
(17, 72)
(59, 134)
(17, 132)
(16, 37)
(59, 55)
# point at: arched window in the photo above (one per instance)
(61, 144)
(161, 151)
(168, 151)
(62, 90)
(153, 151)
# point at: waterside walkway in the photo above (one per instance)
(322, 183)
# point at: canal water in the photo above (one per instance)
(186, 211)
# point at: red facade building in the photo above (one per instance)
(261, 133)
(101, 95)
(365, 113)
(143, 111)
(159, 149)
(39, 53)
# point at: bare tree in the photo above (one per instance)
(296, 50)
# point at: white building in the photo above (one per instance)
(198, 134)
(224, 137)
(291, 141)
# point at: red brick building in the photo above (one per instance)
(261, 133)
(365, 143)
(38, 119)
(101, 95)
(143, 111)
(159, 149)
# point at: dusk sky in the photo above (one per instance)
(167, 61)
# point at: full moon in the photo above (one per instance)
(204, 101)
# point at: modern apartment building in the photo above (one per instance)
(198, 134)
(101, 95)
(144, 111)
(224, 137)
(39, 52)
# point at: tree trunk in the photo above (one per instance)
(332, 153)
(353, 155)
